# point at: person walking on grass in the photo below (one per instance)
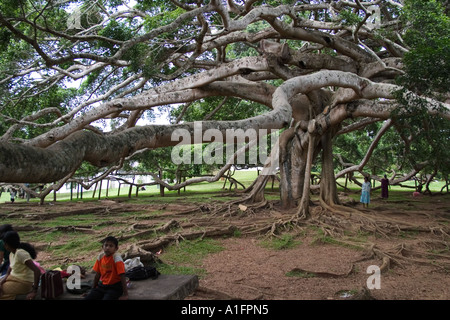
(12, 193)
(365, 193)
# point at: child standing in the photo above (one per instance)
(109, 282)
(365, 193)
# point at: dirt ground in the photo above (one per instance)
(247, 270)
(417, 252)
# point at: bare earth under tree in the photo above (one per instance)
(327, 263)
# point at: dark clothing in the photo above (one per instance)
(384, 188)
(106, 292)
(5, 265)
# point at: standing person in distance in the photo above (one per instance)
(365, 193)
(385, 187)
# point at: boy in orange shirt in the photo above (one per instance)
(109, 282)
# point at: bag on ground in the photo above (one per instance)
(133, 262)
(142, 273)
(51, 284)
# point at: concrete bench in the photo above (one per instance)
(165, 287)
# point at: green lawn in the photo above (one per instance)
(244, 177)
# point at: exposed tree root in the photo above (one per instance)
(146, 257)
(322, 274)
(98, 210)
(165, 228)
(218, 295)
(84, 229)
(342, 224)
(158, 243)
(338, 220)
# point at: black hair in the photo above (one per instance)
(12, 239)
(111, 239)
(5, 228)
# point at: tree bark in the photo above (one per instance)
(292, 168)
(328, 190)
(27, 163)
(303, 208)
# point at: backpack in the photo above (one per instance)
(85, 286)
(142, 273)
(51, 284)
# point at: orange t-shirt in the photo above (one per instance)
(110, 268)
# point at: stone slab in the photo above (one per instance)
(165, 287)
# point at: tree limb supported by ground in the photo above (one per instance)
(78, 81)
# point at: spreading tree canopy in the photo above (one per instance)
(78, 77)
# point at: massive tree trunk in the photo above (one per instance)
(328, 190)
(292, 168)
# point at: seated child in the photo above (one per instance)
(23, 275)
(109, 282)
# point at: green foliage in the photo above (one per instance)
(14, 54)
(417, 137)
(349, 18)
(240, 49)
(427, 65)
(353, 146)
(284, 242)
(116, 30)
(162, 19)
(233, 109)
(53, 98)
(430, 134)
(156, 6)
(5, 37)
(13, 7)
(275, 3)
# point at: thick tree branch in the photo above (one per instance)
(359, 167)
